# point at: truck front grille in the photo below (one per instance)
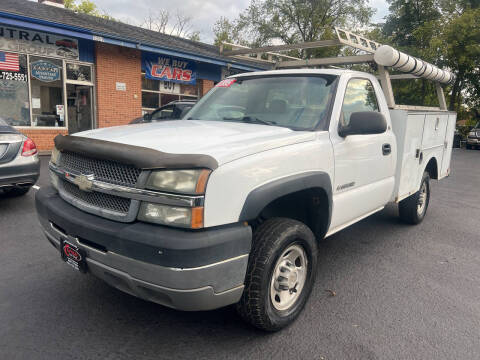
(98, 200)
(104, 170)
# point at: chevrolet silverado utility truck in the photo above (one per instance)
(227, 205)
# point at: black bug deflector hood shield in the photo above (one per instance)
(138, 156)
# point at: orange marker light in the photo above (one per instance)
(197, 218)
(202, 181)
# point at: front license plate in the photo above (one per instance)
(73, 256)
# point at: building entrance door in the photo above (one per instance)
(79, 107)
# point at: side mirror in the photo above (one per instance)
(365, 123)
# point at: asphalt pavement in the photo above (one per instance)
(401, 292)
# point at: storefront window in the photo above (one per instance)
(150, 100)
(159, 93)
(48, 108)
(14, 101)
(78, 72)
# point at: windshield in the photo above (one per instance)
(477, 126)
(296, 102)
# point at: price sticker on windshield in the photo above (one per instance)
(226, 83)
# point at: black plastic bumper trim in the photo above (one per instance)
(150, 243)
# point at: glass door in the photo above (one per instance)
(79, 107)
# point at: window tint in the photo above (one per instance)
(359, 96)
(296, 102)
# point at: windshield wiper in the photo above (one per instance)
(251, 120)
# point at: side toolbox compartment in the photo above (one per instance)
(447, 152)
(408, 129)
(421, 136)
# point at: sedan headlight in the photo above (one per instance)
(172, 216)
(55, 156)
(179, 181)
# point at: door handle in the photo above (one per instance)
(386, 149)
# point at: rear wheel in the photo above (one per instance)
(414, 208)
(280, 274)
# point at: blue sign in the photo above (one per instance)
(46, 71)
(167, 68)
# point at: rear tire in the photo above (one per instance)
(280, 274)
(413, 209)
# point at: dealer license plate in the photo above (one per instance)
(73, 256)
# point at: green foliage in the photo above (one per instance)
(225, 31)
(291, 21)
(445, 33)
(86, 7)
(194, 36)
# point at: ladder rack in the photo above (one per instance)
(413, 68)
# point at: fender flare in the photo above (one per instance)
(260, 197)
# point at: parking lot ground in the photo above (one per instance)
(401, 292)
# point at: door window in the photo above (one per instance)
(359, 96)
(79, 107)
(47, 92)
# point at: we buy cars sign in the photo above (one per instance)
(167, 68)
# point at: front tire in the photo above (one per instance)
(280, 274)
(413, 209)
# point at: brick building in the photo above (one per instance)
(64, 72)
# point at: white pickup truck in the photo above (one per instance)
(226, 206)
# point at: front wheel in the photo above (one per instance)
(280, 274)
(414, 208)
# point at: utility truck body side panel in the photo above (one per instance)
(421, 137)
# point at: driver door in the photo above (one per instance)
(364, 171)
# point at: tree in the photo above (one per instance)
(161, 21)
(293, 21)
(461, 45)
(225, 31)
(86, 7)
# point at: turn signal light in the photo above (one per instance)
(29, 148)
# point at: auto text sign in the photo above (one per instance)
(45, 71)
(38, 43)
(171, 69)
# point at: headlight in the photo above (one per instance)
(179, 181)
(55, 156)
(471, 133)
(172, 216)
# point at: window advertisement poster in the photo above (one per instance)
(166, 68)
(45, 71)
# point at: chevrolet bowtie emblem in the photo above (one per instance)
(84, 182)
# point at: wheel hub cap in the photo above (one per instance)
(422, 199)
(288, 277)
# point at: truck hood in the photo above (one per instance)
(223, 141)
